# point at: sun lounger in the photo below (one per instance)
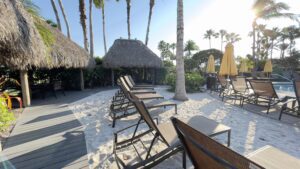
(224, 89)
(292, 107)
(138, 85)
(123, 107)
(263, 93)
(132, 85)
(239, 88)
(164, 132)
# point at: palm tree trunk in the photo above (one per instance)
(128, 16)
(209, 43)
(103, 28)
(180, 92)
(83, 23)
(149, 21)
(253, 44)
(272, 43)
(65, 18)
(221, 43)
(56, 14)
(91, 29)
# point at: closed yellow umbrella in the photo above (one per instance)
(268, 67)
(210, 65)
(244, 67)
(228, 66)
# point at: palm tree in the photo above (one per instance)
(83, 23)
(128, 3)
(149, 21)
(283, 47)
(273, 34)
(209, 34)
(173, 47)
(232, 37)
(100, 4)
(222, 33)
(267, 9)
(56, 14)
(292, 33)
(180, 92)
(65, 18)
(91, 28)
(190, 46)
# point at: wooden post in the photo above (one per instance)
(81, 79)
(153, 76)
(112, 78)
(25, 88)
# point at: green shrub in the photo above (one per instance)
(6, 116)
(193, 82)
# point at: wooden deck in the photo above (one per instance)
(47, 135)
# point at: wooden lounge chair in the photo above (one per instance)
(135, 90)
(122, 107)
(263, 93)
(292, 107)
(164, 132)
(132, 84)
(205, 152)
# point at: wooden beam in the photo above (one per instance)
(81, 80)
(25, 88)
(112, 78)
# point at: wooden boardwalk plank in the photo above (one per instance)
(47, 135)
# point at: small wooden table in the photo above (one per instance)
(272, 158)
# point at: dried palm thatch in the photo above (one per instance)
(131, 54)
(22, 46)
(20, 42)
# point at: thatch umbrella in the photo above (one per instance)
(22, 46)
(126, 53)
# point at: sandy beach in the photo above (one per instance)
(250, 131)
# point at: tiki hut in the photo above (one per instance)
(126, 53)
(27, 41)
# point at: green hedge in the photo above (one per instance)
(193, 82)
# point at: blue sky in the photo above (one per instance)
(231, 15)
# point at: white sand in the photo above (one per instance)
(250, 131)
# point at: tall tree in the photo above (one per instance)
(100, 4)
(128, 7)
(149, 21)
(210, 34)
(56, 14)
(267, 9)
(222, 33)
(180, 92)
(83, 23)
(91, 28)
(232, 37)
(173, 47)
(292, 33)
(164, 49)
(190, 46)
(65, 18)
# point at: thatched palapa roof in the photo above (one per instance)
(22, 46)
(131, 54)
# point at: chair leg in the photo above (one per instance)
(175, 108)
(183, 159)
(151, 145)
(228, 138)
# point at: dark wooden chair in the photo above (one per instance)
(206, 153)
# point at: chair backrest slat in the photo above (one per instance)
(205, 152)
(128, 81)
(131, 79)
(239, 83)
(263, 88)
